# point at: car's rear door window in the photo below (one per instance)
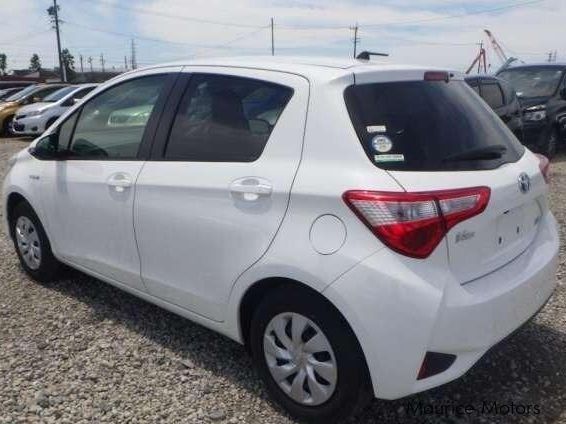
(429, 126)
(225, 119)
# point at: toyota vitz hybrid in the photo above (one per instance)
(366, 230)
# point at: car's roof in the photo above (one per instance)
(559, 65)
(311, 67)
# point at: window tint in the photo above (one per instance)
(428, 126)
(42, 94)
(81, 93)
(508, 92)
(491, 93)
(66, 130)
(112, 124)
(224, 118)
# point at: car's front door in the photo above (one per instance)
(212, 198)
(89, 195)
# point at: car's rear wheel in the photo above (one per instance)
(32, 245)
(308, 356)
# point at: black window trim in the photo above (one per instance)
(167, 120)
(149, 131)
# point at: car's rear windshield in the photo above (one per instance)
(429, 126)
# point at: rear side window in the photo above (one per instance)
(225, 119)
(429, 126)
(492, 94)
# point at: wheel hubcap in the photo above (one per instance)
(27, 239)
(300, 358)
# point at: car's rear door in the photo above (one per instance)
(212, 197)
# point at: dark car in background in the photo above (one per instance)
(542, 93)
(501, 97)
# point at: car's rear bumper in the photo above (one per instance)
(401, 308)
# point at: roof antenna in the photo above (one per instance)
(365, 55)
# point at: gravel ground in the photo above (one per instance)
(79, 350)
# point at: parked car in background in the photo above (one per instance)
(542, 93)
(378, 245)
(29, 95)
(35, 118)
(501, 97)
(12, 84)
(7, 92)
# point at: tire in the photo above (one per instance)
(548, 147)
(26, 230)
(5, 131)
(345, 391)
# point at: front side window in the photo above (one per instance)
(492, 94)
(111, 125)
(225, 119)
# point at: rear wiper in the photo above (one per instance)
(482, 153)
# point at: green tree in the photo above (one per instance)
(3, 63)
(68, 62)
(35, 62)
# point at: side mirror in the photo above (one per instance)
(35, 99)
(69, 102)
(47, 148)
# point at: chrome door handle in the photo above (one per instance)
(119, 181)
(251, 188)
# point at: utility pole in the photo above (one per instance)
(81, 59)
(102, 61)
(272, 38)
(133, 55)
(356, 38)
(125, 63)
(549, 56)
(62, 70)
(90, 63)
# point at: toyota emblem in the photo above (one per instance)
(524, 183)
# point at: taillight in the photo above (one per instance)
(436, 76)
(544, 166)
(414, 223)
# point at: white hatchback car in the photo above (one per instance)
(364, 229)
(35, 118)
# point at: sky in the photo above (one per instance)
(430, 32)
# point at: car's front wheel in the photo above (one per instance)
(31, 243)
(308, 356)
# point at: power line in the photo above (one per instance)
(177, 17)
(415, 21)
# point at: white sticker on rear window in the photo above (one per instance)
(381, 144)
(389, 158)
(376, 129)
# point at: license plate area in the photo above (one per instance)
(517, 226)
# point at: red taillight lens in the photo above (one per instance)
(414, 223)
(436, 76)
(544, 166)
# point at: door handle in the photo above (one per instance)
(251, 188)
(119, 181)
